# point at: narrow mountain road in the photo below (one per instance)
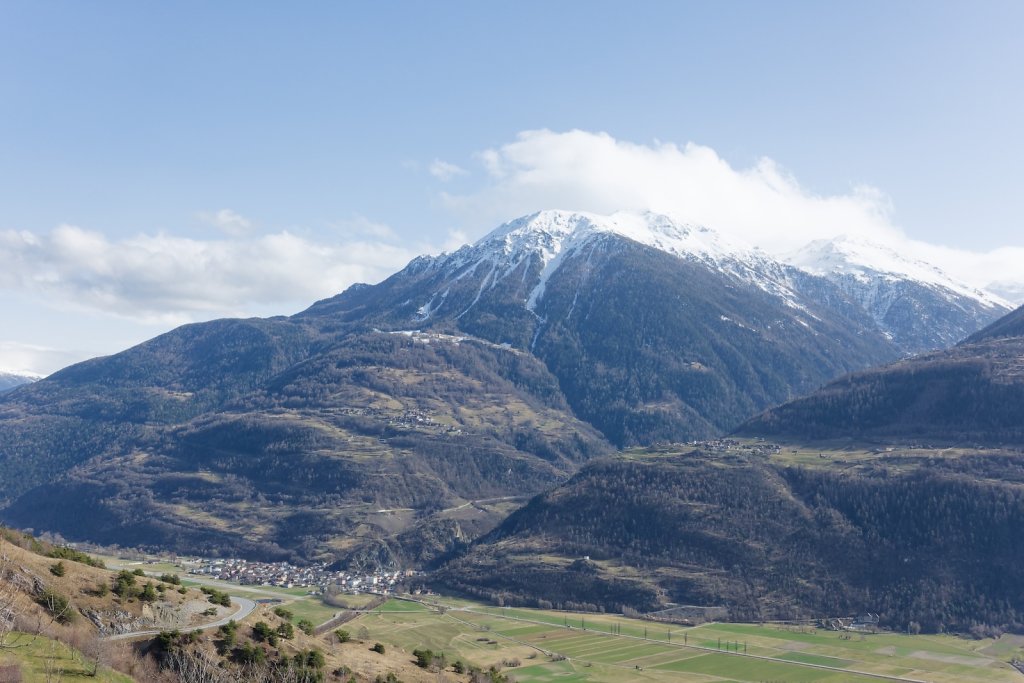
(486, 501)
(245, 608)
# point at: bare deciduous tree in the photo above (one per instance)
(11, 599)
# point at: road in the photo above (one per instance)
(245, 608)
(226, 586)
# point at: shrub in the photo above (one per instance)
(75, 556)
(58, 606)
(148, 593)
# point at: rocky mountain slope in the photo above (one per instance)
(917, 305)
(654, 329)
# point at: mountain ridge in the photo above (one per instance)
(972, 393)
(494, 372)
(12, 380)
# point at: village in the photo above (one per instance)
(285, 575)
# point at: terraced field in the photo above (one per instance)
(554, 646)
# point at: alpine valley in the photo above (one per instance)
(559, 389)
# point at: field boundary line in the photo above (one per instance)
(884, 677)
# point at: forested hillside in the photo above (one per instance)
(971, 394)
(933, 542)
(285, 456)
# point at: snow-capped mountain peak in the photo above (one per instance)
(552, 235)
(864, 260)
(554, 230)
(528, 275)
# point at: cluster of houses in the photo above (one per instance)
(864, 623)
(286, 575)
(408, 419)
(759, 448)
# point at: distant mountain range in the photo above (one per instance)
(916, 304)
(364, 426)
(10, 380)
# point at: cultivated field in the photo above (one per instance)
(555, 646)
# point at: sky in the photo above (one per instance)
(164, 163)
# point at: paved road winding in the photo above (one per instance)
(245, 608)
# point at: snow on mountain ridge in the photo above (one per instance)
(866, 261)
(553, 235)
(550, 231)
(10, 380)
(534, 247)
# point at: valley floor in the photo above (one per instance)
(562, 646)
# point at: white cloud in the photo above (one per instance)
(228, 221)
(763, 204)
(445, 171)
(168, 279)
(31, 360)
(595, 172)
(999, 270)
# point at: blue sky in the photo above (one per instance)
(351, 136)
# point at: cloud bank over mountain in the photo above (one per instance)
(763, 204)
(235, 267)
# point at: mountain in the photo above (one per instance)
(655, 330)
(270, 438)
(916, 304)
(10, 380)
(748, 533)
(1011, 291)
(393, 422)
(1010, 325)
(970, 394)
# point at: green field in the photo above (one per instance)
(402, 606)
(557, 646)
